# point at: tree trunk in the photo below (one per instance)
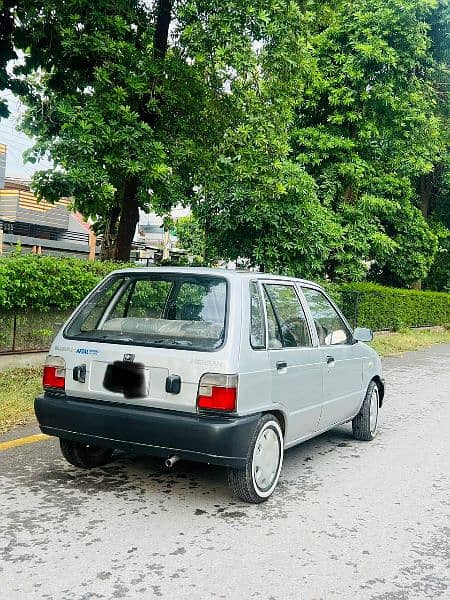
(107, 251)
(426, 188)
(161, 35)
(348, 194)
(165, 245)
(425, 191)
(129, 218)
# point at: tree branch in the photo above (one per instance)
(161, 35)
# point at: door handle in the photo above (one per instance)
(330, 360)
(281, 365)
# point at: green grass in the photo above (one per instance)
(18, 388)
(408, 339)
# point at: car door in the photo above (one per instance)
(294, 360)
(342, 363)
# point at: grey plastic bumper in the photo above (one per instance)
(221, 440)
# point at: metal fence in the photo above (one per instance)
(29, 331)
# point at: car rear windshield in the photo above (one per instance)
(168, 310)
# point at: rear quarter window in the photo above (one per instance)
(257, 321)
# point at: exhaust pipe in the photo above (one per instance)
(171, 460)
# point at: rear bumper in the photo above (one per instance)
(217, 440)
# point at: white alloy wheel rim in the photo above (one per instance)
(373, 415)
(267, 459)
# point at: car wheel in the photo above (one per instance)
(84, 456)
(256, 482)
(365, 424)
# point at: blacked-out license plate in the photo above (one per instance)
(129, 379)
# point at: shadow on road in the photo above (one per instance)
(135, 477)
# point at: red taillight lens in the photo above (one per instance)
(220, 399)
(54, 373)
(217, 392)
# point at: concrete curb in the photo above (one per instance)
(25, 359)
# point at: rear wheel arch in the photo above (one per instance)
(380, 386)
(263, 463)
(281, 419)
(365, 423)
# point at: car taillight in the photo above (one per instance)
(54, 373)
(217, 392)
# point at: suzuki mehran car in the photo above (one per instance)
(219, 366)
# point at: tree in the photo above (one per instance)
(302, 134)
(255, 202)
(119, 111)
(434, 187)
(320, 175)
(191, 236)
(91, 82)
(7, 52)
(132, 121)
(367, 130)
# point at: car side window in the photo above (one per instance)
(292, 325)
(273, 329)
(257, 322)
(330, 327)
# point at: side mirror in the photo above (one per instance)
(362, 334)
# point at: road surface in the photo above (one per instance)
(349, 519)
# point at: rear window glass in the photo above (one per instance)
(159, 310)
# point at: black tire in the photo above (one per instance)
(243, 481)
(365, 424)
(84, 456)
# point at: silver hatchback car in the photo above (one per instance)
(217, 366)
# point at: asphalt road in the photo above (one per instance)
(349, 520)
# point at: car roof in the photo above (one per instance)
(227, 273)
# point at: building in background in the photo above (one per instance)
(39, 227)
(53, 229)
(152, 244)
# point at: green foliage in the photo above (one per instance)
(191, 236)
(272, 217)
(96, 124)
(367, 128)
(254, 201)
(130, 121)
(44, 283)
(381, 308)
(439, 274)
(307, 137)
(34, 330)
(434, 187)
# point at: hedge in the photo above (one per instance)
(378, 307)
(42, 283)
